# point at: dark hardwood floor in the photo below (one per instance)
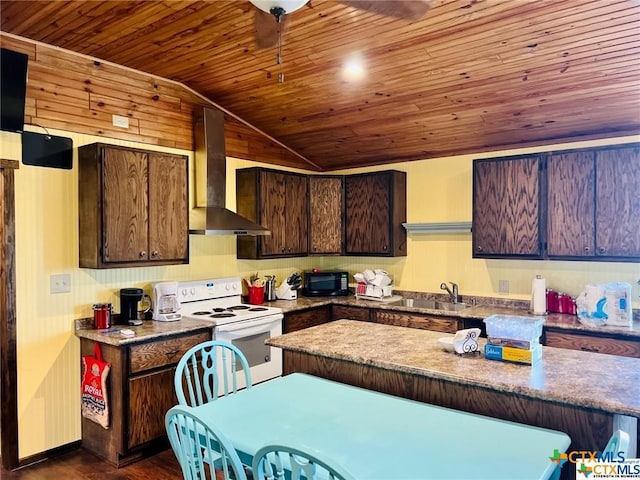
(81, 465)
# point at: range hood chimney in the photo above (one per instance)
(214, 218)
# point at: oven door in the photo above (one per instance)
(265, 362)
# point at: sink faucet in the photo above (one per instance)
(452, 294)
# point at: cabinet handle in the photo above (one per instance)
(602, 250)
(282, 250)
(384, 247)
(143, 254)
(479, 248)
(267, 358)
(589, 349)
(171, 353)
(587, 249)
(154, 253)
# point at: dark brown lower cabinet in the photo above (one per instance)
(417, 320)
(590, 343)
(298, 320)
(140, 391)
(339, 312)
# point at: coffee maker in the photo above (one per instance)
(129, 299)
(165, 302)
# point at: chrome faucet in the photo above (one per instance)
(453, 295)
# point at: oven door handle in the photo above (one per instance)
(248, 327)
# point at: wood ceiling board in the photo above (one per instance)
(418, 70)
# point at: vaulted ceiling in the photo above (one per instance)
(469, 76)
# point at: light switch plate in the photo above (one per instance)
(61, 283)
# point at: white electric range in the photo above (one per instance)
(246, 326)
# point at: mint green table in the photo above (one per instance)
(379, 436)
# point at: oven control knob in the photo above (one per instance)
(227, 287)
(267, 358)
(234, 286)
(184, 292)
(192, 291)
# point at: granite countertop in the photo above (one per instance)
(480, 311)
(149, 330)
(602, 382)
(152, 329)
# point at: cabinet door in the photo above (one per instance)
(125, 205)
(326, 215)
(414, 320)
(571, 204)
(309, 318)
(272, 212)
(618, 202)
(586, 343)
(150, 396)
(296, 215)
(168, 207)
(506, 207)
(367, 199)
(339, 312)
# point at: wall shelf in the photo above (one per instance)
(445, 227)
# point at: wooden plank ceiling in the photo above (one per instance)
(470, 76)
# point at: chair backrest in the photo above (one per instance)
(210, 370)
(196, 445)
(272, 461)
(618, 443)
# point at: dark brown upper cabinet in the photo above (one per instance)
(375, 208)
(133, 207)
(278, 201)
(618, 202)
(507, 207)
(326, 215)
(594, 203)
(571, 179)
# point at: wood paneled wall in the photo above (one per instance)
(68, 91)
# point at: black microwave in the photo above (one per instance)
(320, 284)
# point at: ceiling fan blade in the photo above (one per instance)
(266, 28)
(406, 9)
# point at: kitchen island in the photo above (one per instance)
(587, 395)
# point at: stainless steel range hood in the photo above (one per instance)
(214, 218)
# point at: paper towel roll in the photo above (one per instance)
(538, 296)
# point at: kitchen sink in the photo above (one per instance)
(436, 305)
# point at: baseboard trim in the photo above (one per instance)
(47, 454)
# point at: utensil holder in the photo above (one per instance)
(256, 295)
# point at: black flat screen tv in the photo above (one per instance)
(13, 89)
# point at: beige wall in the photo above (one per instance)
(439, 190)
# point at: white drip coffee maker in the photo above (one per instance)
(165, 302)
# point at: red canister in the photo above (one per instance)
(102, 315)
(552, 301)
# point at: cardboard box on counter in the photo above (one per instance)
(512, 354)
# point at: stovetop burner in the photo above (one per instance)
(238, 307)
(222, 315)
(218, 309)
(201, 313)
(258, 309)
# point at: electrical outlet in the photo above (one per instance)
(61, 283)
(120, 121)
(503, 287)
